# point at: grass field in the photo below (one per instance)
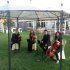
(28, 61)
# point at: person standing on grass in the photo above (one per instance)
(46, 41)
(58, 37)
(29, 41)
(32, 41)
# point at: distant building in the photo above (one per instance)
(34, 24)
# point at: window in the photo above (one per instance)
(29, 23)
(38, 24)
(42, 24)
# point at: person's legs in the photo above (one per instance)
(57, 57)
(29, 45)
(56, 54)
(42, 45)
(34, 47)
(19, 45)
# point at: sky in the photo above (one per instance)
(36, 4)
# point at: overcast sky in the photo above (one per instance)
(37, 4)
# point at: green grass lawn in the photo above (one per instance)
(28, 61)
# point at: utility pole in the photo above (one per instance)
(61, 30)
(9, 37)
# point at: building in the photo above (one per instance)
(37, 19)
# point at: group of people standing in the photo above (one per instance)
(45, 43)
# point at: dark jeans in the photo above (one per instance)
(29, 44)
(42, 45)
(56, 54)
(19, 45)
(57, 57)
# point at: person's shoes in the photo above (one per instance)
(38, 60)
(57, 61)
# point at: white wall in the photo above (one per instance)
(1, 27)
(34, 24)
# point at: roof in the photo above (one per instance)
(33, 14)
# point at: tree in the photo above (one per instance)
(12, 24)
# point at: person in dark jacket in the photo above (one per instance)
(46, 40)
(16, 38)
